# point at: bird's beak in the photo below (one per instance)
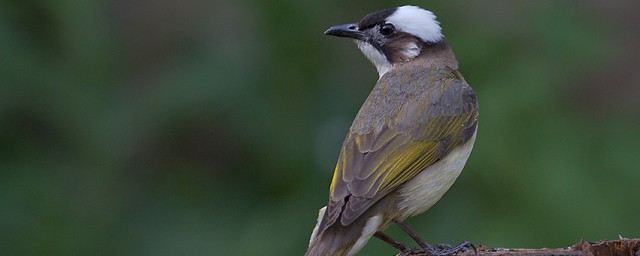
(346, 30)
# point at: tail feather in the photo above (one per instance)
(342, 240)
(314, 234)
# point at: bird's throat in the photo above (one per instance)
(376, 57)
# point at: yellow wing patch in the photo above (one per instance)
(394, 138)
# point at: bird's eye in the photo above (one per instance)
(387, 29)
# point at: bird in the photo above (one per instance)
(409, 141)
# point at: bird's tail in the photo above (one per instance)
(339, 240)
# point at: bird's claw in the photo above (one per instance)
(445, 249)
(440, 249)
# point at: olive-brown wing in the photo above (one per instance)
(418, 132)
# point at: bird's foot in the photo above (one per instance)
(445, 249)
(440, 249)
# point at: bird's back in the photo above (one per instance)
(413, 116)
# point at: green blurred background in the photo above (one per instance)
(199, 127)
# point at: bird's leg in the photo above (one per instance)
(401, 247)
(438, 249)
(412, 234)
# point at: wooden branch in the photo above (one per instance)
(622, 247)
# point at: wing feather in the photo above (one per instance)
(410, 120)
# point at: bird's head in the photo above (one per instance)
(393, 36)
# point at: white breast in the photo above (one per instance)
(426, 188)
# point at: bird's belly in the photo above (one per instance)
(426, 188)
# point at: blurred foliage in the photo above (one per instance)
(211, 127)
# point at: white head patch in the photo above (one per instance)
(416, 21)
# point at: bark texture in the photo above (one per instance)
(622, 247)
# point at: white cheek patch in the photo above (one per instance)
(411, 51)
(417, 21)
(376, 57)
